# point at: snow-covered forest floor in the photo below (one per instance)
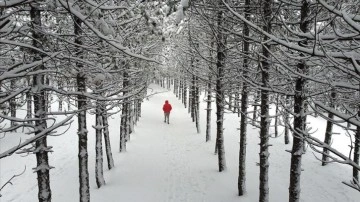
(171, 162)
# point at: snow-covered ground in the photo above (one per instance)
(171, 162)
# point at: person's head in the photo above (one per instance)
(166, 102)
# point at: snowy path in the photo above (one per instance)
(168, 155)
(172, 163)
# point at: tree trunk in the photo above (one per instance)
(99, 171)
(124, 113)
(276, 115)
(208, 112)
(60, 98)
(357, 150)
(130, 125)
(299, 117)
(236, 103)
(286, 121)
(185, 94)
(175, 88)
(28, 102)
(256, 101)
(244, 106)
(230, 99)
(41, 148)
(47, 95)
(197, 108)
(136, 110)
(82, 128)
(109, 157)
(220, 98)
(68, 103)
(329, 128)
(139, 106)
(191, 94)
(123, 125)
(180, 89)
(168, 83)
(12, 103)
(264, 119)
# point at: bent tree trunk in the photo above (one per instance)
(41, 148)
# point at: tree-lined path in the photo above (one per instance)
(163, 161)
(270, 83)
(170, 162)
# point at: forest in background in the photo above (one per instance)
(303, 56)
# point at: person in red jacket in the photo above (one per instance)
(167, 108)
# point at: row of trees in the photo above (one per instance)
(301, 56)
(93, 56)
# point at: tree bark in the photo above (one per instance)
(41, 148)
(28, 102)
(12, 103)
(82, 128)
(124, 115)
(197, 108)
(99, 170)
(185, 94)
(264, 119)
(244, 106)
(191, 104)
(286, 120)
(60, 98)
(357, 150)
(276, 115)
(256, 101)
(176, 88)
(230, 99)
(299, 117)
(109, 157)
(220, 98)
(193, 98)
(208, 112)
(47, 95)
(180, 89)
(130, 125)
(329, 129)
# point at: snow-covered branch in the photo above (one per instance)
(351, 119)
(116, 44)
(40, 135)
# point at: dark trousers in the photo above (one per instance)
(167, 115)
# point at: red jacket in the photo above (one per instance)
(167, 107)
